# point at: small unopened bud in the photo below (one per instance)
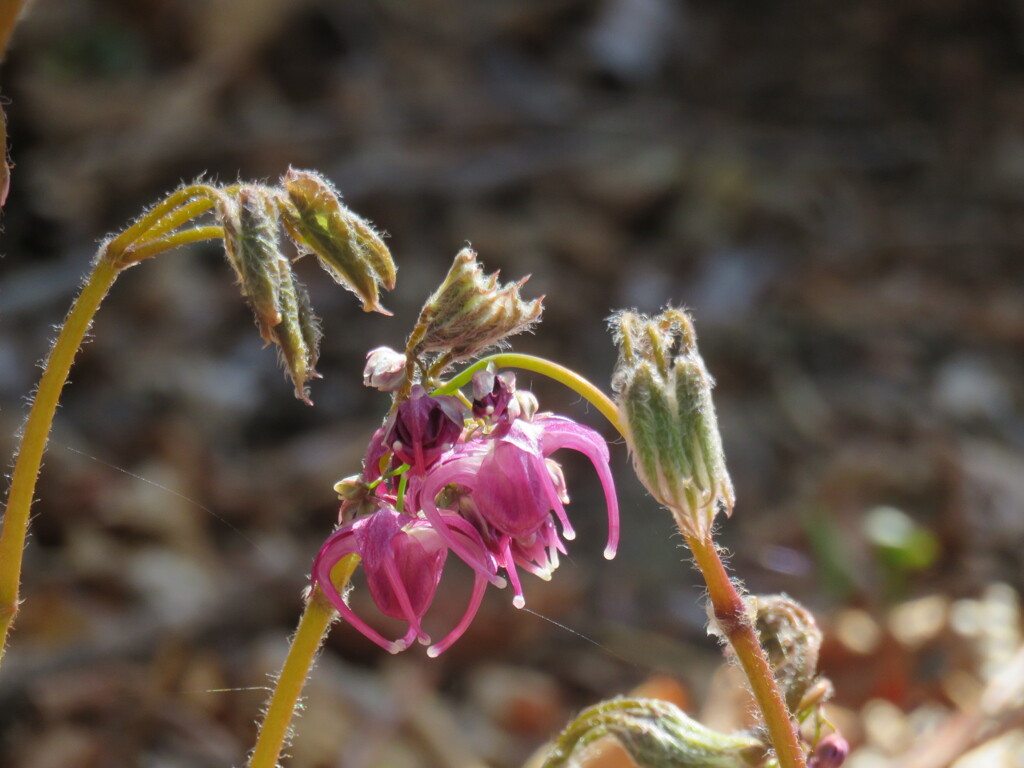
(792, 640)
(279, 302)
(664, 396)
(352, 487)
(356, 498)
(831, 752)
(385, 369)
(655, 734)
(471, 312)
(347, 247)
(527, 403)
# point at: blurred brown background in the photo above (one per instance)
(835, 190)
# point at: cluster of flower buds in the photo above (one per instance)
(664, 396)
(307, 206)
(655, 734)
(470, 312)
(792, 642)
(478, 481)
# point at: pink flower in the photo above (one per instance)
(423, 427)
(484, 487)
(494, 397)
(403, 558)
(511, 494)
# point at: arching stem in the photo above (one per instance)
(121, 252)
(165, 216)
(184, 237)
(37, 432)
(559, 373)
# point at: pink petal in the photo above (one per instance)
(336, 548)
(563, 433)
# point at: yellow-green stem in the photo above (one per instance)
(36, 433)
(559, 373)
(124, 250)
(735, 623)
(197, 198)
(316, 620)
(168, 242)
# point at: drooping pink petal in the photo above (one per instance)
(479, 585)
(463, 471)
(402, 558)
(340, 544)
(460, 529)
(402, 594)
(558, 432)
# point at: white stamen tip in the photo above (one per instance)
(396, 446)
(489, 410)
(519, 601)
(432, 652)
(569, 535)
(609, 553)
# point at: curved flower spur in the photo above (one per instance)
(448, 473)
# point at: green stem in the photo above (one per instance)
(734, 621)
(36, 434)
(169, 242)
(316, 620)
(198, 198)
(559, 373)
(403, 481)
(122, 251)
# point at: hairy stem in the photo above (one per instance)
(165, 216)
(169, 242)
(316, 620)
(36, 433)
(734, 621)
(559, 373)
(152, 234)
